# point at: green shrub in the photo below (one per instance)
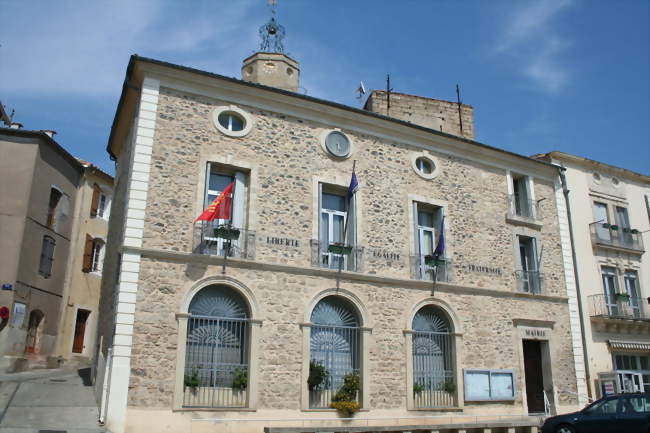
(449, 386)
(318, 376)
(239, 380)
(417, 388)
(193, 380)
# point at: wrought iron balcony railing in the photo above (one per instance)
(335, 256)
(211, 238)
(616, 236)
(618, 306)
(423, 267)
(529, 281)
(522, 208)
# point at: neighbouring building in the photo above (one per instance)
(38, 191)
(78, 327)
(610, 217)
(318, 293)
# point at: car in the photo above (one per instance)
(622, 413)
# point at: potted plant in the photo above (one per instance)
(622, 297)
(417, 389)
(192, 381)
(606, 225)
(613, 227)
(345, 399)
(339, 248)
(239, 382)
(449, 386)
(317, 381)
(227, 232)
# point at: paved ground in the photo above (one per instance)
(48, 401)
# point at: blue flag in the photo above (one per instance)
(354, 186)
(439, 253)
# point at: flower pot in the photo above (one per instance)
(226, 232)
(339, 249)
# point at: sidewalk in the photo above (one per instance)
(49, 401)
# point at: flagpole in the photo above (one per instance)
(345, 232)
(226, 250)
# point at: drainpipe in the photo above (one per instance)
(565, 189)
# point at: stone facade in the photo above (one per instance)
(431, 113)
(284, 164)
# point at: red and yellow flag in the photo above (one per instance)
(220, 207)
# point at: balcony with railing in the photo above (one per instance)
(336, 256)
(529, 281)
(618, 306)
(614, 236)
(427, 268)
(522, 210)
(214, 239)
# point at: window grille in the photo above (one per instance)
(335, 344)
(433, 373)
(217, 350)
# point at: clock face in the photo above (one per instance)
(337, 144)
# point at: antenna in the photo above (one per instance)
(361, 90)
(460, 115)
(388, 90)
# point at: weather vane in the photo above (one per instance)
(272, 33)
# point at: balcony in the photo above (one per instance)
(618, 307)
(336, 256)
(424, 267)
(521, 211)
(616, 237)
(207, 241)
(529, 281)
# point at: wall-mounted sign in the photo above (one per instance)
(384, 254)
(19, 314)
(483, 269)
(534, 333)
(287, 242)
(7, 286)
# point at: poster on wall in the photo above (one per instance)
(18, 317)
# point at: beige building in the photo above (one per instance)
(610, 218)
(322, 297)
(78, 327)
(38, 190)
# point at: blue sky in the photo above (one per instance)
(569, 75)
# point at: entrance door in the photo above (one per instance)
(534, 376)
(80, 331)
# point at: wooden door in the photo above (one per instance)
(80, 331)
(534, 376)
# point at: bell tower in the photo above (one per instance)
(270, 66)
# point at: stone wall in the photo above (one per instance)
(285, 161)
(431, 113)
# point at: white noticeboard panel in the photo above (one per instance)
(478, 385)
(18, 317)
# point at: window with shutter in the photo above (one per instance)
(55, 197)
(47, 257)
(94, 204)
(88, 254)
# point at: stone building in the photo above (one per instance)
(324, 296)
(610, 216)
(78, 324)
(38, 190)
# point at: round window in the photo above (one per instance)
(231, 121)
(424, 166)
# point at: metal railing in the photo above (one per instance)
(337, 349)
(423, 268)
(618, 306)
(216, 363)
(206, 242)
(322, 257)
(529, 281)
(522, 208)
(616, 236)
(433, 376)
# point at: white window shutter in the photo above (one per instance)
(239, 200)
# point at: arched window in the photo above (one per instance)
(335, 343)
(433, 372)
(217, 349)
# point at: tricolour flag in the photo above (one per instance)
(354, 186)
(220, 207)
(439, 252)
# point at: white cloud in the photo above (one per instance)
(531, 40)
(82, 48)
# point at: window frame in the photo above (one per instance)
(246, 117)
(490, 372)
(349, 216)
(44, 259)
(98, 252)
(515, 204)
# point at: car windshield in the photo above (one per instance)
(603, 407)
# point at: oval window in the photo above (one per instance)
(231, 121)
(424, 165)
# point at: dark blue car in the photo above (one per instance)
(623, 413)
